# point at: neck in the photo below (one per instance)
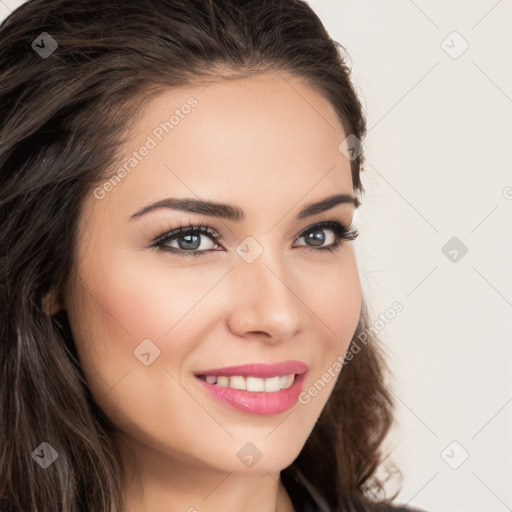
(162, 484)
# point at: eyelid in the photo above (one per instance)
(343, 232)
(185, 228)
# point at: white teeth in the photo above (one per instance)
(223, 381)
(288, 382)
(237, 382)
(272, 384)
(254, 384)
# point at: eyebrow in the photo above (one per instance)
(236, 214)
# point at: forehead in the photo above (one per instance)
(253, 138)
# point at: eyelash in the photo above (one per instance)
(341, 231)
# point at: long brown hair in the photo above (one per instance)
(66, 108)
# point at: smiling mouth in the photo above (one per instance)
(254, 384)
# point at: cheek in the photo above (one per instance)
(124, 301)
(345, 311)
(142, 298)
(337, 306)
(111, 316)
(150, 296)
(334, 296)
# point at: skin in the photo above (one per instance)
(269, 148)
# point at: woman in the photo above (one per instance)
(180, 296)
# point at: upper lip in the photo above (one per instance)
(258, 370)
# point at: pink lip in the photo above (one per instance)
(259, 370)
(261, 403)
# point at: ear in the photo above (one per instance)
(52, 303)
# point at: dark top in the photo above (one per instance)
(306, 498)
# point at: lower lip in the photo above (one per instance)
(262, 403)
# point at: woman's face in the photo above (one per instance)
(146, 320)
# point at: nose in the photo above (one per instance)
(266, 300)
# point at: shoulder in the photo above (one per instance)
(306, 498)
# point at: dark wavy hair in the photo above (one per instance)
(64, 119)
